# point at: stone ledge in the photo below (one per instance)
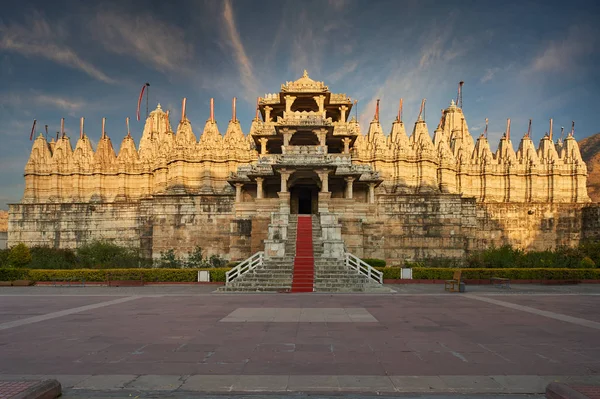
(28, 389)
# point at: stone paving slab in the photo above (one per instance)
(300, 315)
(464, 384)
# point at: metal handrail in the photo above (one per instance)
(363, 268)
(244, 267)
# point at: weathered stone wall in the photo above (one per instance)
(413, 227)
(396, 228)
(70, 225)
(534, 226)
(182, 222)
(3, 221)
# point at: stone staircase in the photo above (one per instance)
(293, 274)
(332, 274)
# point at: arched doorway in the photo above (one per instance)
(304, 192)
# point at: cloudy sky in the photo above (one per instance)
(519, 60)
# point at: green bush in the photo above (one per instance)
(4, 257)
(19, 255)
(428, 273)
(391, 273)
(104, 255)
(587, 263)
(374, 262)
(52, 258)
(12, 274)
(168, 260)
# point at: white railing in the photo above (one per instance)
(244, 267)
(363, 268)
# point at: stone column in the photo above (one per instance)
(322, 136)
(268, 113)
(238, 192)
(343, 110)
(285, 175)
(349, 182)
(346, 141)
(324, 176)
(259, 187)
(287, 135)
(289, 100)
(263, 145)
(371, 193)
(321, 103)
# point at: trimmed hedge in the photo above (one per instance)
(427, 273)
(218, 274)
(95, 275)
(374, 262)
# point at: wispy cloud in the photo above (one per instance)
(44, 100)
(144, 37)
(489, 75)
(244, 64)
(41, 39)
(563, 55)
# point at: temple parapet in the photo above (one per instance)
(306, 124)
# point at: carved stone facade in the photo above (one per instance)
(395, 197)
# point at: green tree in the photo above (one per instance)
(19, 255)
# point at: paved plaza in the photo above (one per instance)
(174, 340)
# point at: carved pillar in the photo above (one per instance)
(287, 135)
(346, 141)
(324, 176)
(289, 100)
(263, 145)
(259, 187)
(322, 136)
(343, 110)
(371, 193)
(268, 113)
(349, 182)
(285, 175)
(321, 103)
(238, 192)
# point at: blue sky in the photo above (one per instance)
(519, 60)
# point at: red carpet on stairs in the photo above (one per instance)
(304, 263)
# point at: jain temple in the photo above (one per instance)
(404, 195)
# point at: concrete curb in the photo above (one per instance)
(47, 389)
(562, 391)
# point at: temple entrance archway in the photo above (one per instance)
(304, 199)
(304, 192)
